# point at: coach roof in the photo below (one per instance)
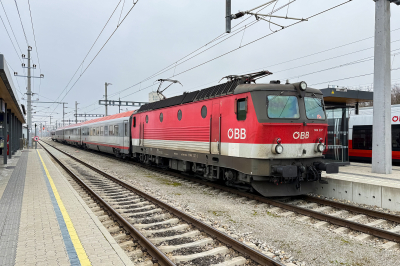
(101, 119)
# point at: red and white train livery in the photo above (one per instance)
(360, 134)
(269, 137)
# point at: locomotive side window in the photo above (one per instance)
(161, 117)
(147, 119)
(134, 121)
(283, 107)
(204, 111)
(362, 137)
(314, 108)
(179, 115)
(241, 109)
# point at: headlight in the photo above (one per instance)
(303, 85)
(321, 147)
(278, 149)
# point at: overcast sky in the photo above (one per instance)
(156, 34)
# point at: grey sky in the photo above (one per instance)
(158, 33)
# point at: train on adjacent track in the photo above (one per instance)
(267, 137)
(360, 134)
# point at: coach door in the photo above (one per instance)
(126, 134)
(216, 128)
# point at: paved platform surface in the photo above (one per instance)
(43, 221)
(357, 183)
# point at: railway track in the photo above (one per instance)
(367, 223)
(168, 235)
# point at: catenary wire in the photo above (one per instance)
(15, 49)
(23, 29)
(134, 4)
(232, 34)
(12, 30)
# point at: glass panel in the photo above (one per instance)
(116, 130)
(126, 129)
(314, 108)
(362, 137)
(337, 139)
(283, 106)
(395, 137)
(241, 109)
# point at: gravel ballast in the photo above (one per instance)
(285, 237)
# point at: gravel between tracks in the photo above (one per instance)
(288, 239)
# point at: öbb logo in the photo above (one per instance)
(395, 118)
(301, 135)
(237, 133)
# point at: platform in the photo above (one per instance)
(357, 183)
(43, 220)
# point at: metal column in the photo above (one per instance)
(11, 137)
(5, 134)
(382, 131)
(29, 100)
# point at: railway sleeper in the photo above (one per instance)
(145, 213)
(138, 209)
(155, 217)
(238, 261)
(144, 226)
(199, 243)
(178, 228)
(212, 252)
(158, 240)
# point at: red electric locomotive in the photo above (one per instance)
(269, 137)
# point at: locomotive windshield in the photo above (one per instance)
(314, 108)
(283, 106)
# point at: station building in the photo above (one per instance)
(11, 114)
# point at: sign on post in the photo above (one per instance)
(36, 138)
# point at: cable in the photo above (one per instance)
(23, 29)
(11, 26)
(34, 38)
(233, 33)
(363, 75)
(134, 4)
(10, 39)
(98, 36)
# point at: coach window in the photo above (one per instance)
(111, 130)
(161, 117)
(179, 115)
(101, 131)
(116, 130)
(241, 109)
(98, 131)
(134, 121)
(362, 137)
(147, 119)
(204, 111)
(396, 137)
(126, 129)
(105, 130)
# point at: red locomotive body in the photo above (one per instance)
(263, 136)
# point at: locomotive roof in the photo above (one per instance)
(230, 87)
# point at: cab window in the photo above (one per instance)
(314, 108)
(282, 107)
(241, 109)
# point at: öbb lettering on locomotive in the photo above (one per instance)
(264, 137)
